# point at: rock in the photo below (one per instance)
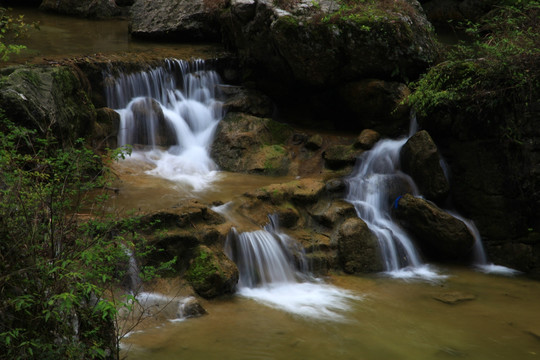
(245, 143)
(49, 99)
(454, 297)
(331, 214)
(358, 248)
(378, 105)
(367, 139)
(106, 129)
(149, 125)
(180, 20)
(303, 191)
(190, 307)
(295, 46)
(212, 273)
(439, 235)
(340, 156)
(420, 159)
(248, 101)
(314, 142)
(82, 8)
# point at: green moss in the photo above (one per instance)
(273, 158)
(279, 132)
(32, 77)
(201, 268)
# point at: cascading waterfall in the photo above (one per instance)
(273, 270)
(169, 114)
(375, 182)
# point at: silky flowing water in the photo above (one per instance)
(340, 317)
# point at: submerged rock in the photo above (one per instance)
(439, 235)
(180, 20)
(420, 159)
(83, 8)
(454, 297)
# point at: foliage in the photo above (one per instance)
(11, 29)
(58, 265)
(498, 72)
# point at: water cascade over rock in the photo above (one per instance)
(169, 114)
(273, 271)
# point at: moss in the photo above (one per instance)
(202, 268)
(274, 156)
(279, 132)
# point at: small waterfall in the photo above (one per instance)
(372, 187)
(169, 114)
(274, 272)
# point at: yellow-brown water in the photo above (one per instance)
(394, 320)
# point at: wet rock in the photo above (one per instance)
(181, 20)
(212, 273)
(439, 235)
(420, 159)
(454, 297)
(82, 8)
(248, 101)
(314, 142)
(331, 214)
(190, 307)
(48, 99)
(340, 156)
(367, 139)
(149, 125)
(378, 105)
(358, 248)
(106, 129)
(246, 143)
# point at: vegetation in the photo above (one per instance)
(495, 74)
(11, 29)
(60, 256)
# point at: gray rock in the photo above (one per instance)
(82, 8)
(358, 248)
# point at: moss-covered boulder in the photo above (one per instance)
(50, 99)
(212, 273)
(341, 156)
(317, 43)
(250, 144)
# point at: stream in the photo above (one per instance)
(462, 313)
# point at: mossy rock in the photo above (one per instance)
(212, 273)
(49, 99)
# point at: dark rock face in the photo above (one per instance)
(439, 235)
(82, 8)
(440, 12)
(421, 160)
(358, 248)
(181, 20)
(377, 104)
(49, 99)
(248, 101)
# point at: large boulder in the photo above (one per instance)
(420, 159)
(181, 20)
(246, 143)
(317, 44)
(212, 273)
(49, 99)
(358, 248)
(439, 235)
(82, 8)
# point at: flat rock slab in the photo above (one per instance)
(454, 297)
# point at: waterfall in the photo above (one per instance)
(169, 115)
(372, 187)
(273, 271)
